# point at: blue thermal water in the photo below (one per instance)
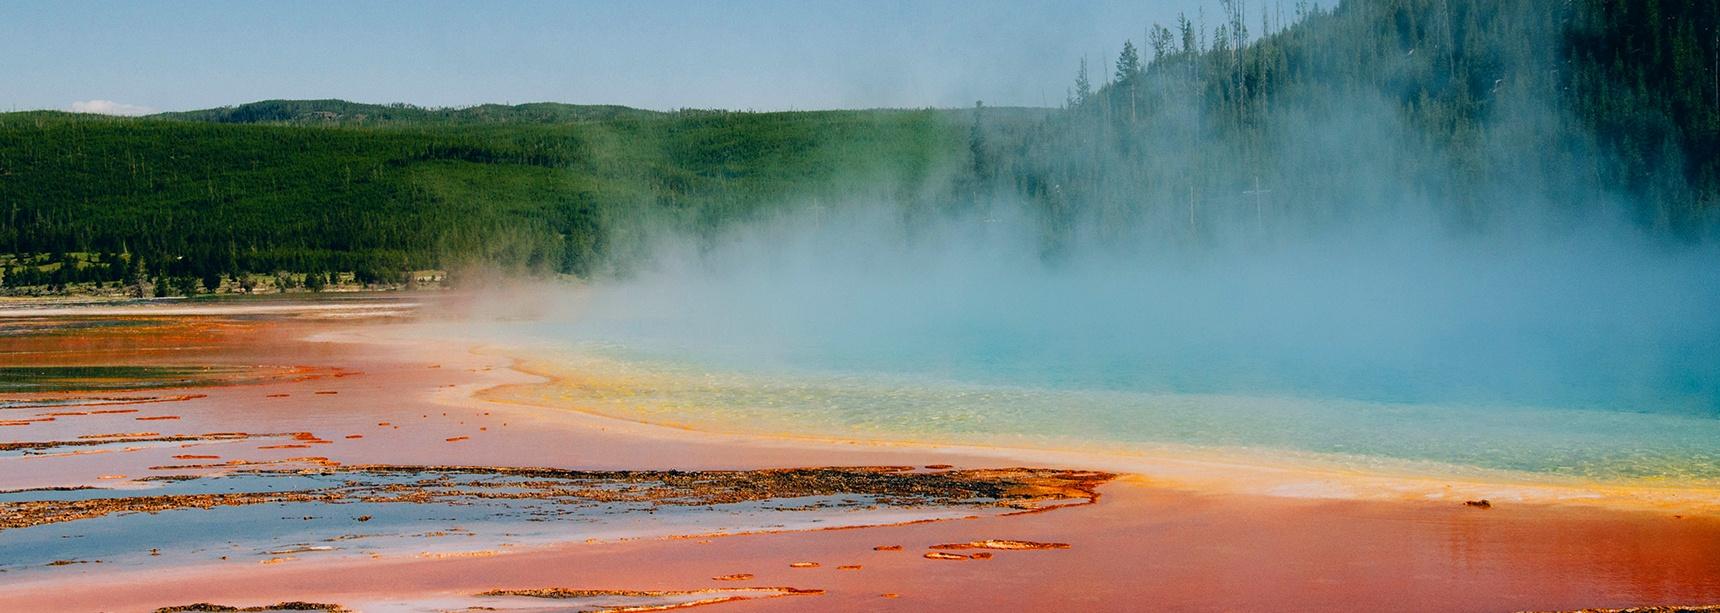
(1585, 355)
(904, 391)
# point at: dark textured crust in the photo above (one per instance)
(1712, 608)
(720, 486)
(1014, 488)
(38, 404)
(202, 607)
(1003, 544)
(707, 596)
(39, 512)
(712, 596)
(125, 438)
(562, 592)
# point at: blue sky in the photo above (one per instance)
(176, 55)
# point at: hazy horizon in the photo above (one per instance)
(118, 58)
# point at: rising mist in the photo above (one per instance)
(1331, 236)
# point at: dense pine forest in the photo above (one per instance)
(328, 186)
(1254, 124)
(1252, 120)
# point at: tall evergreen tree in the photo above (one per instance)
(1083, 86)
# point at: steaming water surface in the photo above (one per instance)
(1572, 357)
(711, 393)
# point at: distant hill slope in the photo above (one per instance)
(1485, 114)
(331, 185)
(322, 112)
(1479, 113)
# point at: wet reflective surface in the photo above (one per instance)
(275, 516)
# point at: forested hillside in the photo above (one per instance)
(341, 112)
(1255, 124)
(333, 186)
(1253, 121)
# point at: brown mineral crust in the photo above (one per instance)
(229, 464)
(1002, 544)
(565, 593)
(131, 437)
(1713, 608)
(55, 488)
(204, 607)
(733, 577)
(887, 548)
(939, 555)
(1003, 488)
(28, 513)
(105, 402)
(1021, 488)
(717, 596)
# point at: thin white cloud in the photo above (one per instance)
(109, 107)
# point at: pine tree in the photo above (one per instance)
(1128, 73)
(1128, 63)
(1161, 40)
(1186, 28)
(1083, 86)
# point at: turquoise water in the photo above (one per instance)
(684, 385)
(1583, 356)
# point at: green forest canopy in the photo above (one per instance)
(1471, 109)
(1455, 103)
(325, 190)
